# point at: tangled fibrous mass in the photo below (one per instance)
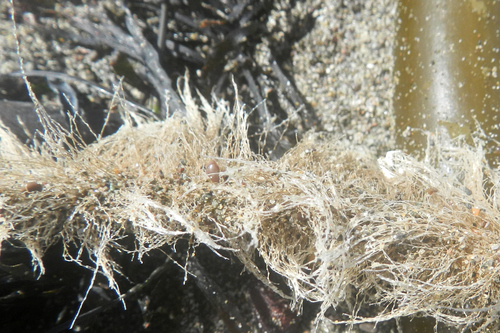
(415, 237)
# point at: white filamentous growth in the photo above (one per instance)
(326, 217)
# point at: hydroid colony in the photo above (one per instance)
(335, 223)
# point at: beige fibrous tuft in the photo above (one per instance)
(414, 237)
